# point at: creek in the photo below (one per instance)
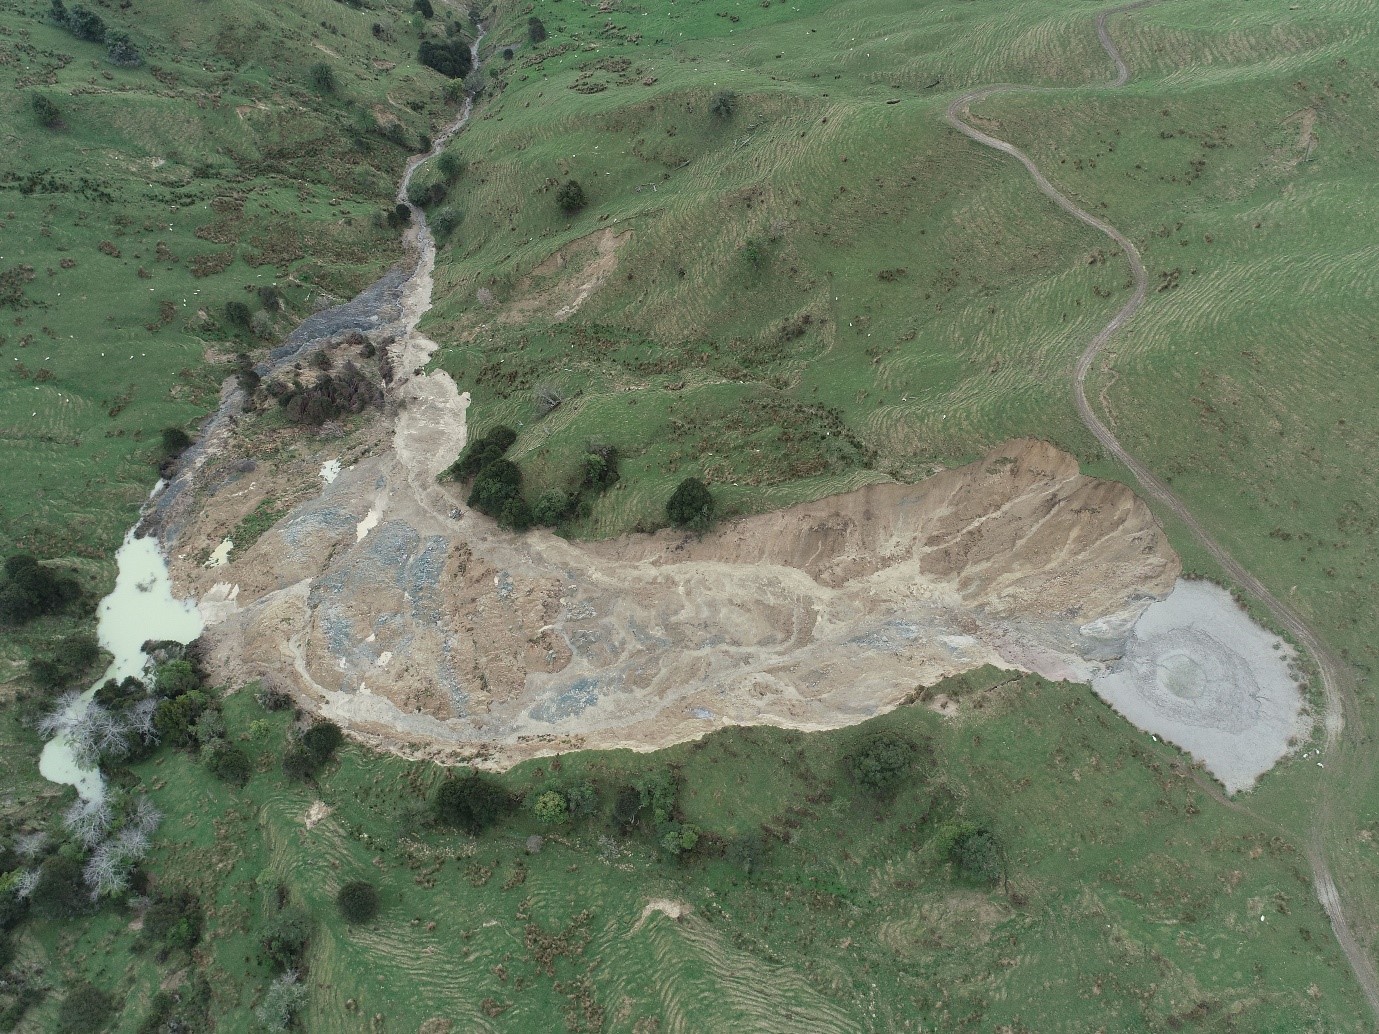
(142, 610)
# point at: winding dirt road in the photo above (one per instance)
(1333, 674)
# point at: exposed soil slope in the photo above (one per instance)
(409, 624)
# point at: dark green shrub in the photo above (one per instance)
(322, 78)
(424, 8)
(238, 314)
(536, 30)
(472, 802)
(516, 514)
(228, 762)
(121, 50)
(481, 452)
(284, 938)
(975, 850)
(450, 57)
(880, 761)
(116, 695)
(174, 441)
(83, 23)
(176, 719)
(446, 222)
(627, 806)
(357, 902)
(323, 739)
(551, 508)
(582, 798)
(724, 104)
(600, 470)
(691, 506)
(71, 658)
(30, 590)
(175, 678)
(298, 762)
(86, 1010)
(174, 919)
(507, 53)
(659, 791)
(45, 111)
(450, 165)
(570, 197)
(61, 893)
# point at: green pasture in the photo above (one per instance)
(946, 303)
(168, 190)
(1134, 899)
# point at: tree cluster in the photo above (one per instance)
(315, 747)
(450, 57)
(347, 389)
(86, 24)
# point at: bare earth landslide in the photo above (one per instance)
(449, 637)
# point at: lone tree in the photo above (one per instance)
(424, 8)
(357, 901)
(570, 197)
(228, 762)
(121, 50)
(536, 29)
(472, 803)
(881, 761)
(322, 77)
(323, 739)
(691, 506)
(173, 441)
(237, 313)
(45, 111)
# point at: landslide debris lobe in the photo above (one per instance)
(446, 635)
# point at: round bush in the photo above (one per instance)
(691, 506)
(323, 739)
(357, 901)
(86, 1010)
(550, 808)
(880, 761)
(570, 197)
(472, 803)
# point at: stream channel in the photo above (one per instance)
(141, 609)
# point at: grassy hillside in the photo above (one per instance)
(820, 289)
(818, 286)
(216, 168)
(1135, 901)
